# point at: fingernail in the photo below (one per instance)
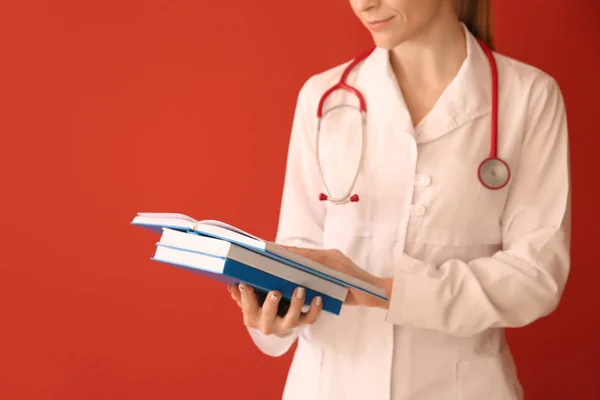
(274, 296)
(318, 301)
(300, 293)
(242, 288)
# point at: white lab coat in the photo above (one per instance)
(466, 261)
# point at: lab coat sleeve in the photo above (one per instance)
(525, 280)
(301, 213)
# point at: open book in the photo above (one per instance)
(221, 230)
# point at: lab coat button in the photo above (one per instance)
(423, 180)
(417, 209)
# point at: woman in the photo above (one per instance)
(460, 261)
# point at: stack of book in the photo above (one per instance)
(224, 253)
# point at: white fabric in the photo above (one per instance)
(466, 261)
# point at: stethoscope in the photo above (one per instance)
(493, 172)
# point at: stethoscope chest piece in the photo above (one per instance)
(494, 173)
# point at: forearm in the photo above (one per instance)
(464, 298)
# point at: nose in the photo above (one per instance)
(365, 5)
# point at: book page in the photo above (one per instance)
(229, 233)
(228, 227)
(166, 215)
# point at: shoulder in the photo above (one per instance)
(315, 85)
(525, 81)
(534, 94)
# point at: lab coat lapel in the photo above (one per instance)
(386, 109)
(390, 147)
(467, 97)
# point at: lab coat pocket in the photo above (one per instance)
(484, 378)
(349, 235)
(304, 376)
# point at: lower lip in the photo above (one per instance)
(378, 25)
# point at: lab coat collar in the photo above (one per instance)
(467, 97)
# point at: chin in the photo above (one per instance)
(387, 43)
(391, 37)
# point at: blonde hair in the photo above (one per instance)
(477, 16)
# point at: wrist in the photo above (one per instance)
(386, 285)
(288, 332)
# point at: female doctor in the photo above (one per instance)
(441, 174)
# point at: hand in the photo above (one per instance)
(338, 261)
(265, 318)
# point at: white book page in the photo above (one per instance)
(209, 226)
(166, 215)
(163, 222)
(228, 227)
(184, 217)
(229, 233)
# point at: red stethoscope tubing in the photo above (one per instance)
(493, 157)
(342, 85)
(494, 71)
(492, 161)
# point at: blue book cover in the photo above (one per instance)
(227, 271)
(219, 230)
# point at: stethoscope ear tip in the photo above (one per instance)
(353, 199)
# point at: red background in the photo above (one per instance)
(113, 107)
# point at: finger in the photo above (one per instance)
(235, 293)
(306, 250)
(303, 250)
(292, 317)
(250, 307)
(312, 255)
(315, 308)
(320, 256)
(268, 313)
